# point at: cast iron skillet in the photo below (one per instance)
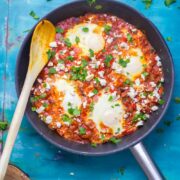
(130, 15)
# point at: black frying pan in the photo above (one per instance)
(130, 15)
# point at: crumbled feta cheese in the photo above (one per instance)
(152, 84)
(48, 119)
(132, 93)
(57, 56)
(109, 40)
(40, 109)
(159, 63)
(89, 77)
(101, 74)
(53, 44)
(67, 123)
(134, 30)
(102, 82)
(156, 94)
(139, 123)
(124, 45)
(90, 94)
(154, 108)
(58, 124)
(72, 53)
(50, 63)
(126, 116)
(157, 58)
(84, 104)
(162, 79)
(137, 82)
(47, 86)
(138, 107)
(39, 80)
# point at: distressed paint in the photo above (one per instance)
(43, 161)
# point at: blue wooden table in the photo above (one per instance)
(38, 158)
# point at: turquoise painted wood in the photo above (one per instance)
(43, 161)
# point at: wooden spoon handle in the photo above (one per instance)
(15, 124)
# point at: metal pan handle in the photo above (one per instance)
(146, 163)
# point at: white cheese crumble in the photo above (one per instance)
(101, 74)
(48, 119)
(153, 84)
(89, 77)
(109, 40)
(50, 63)
(40, 109)
(137, 82)
(154, 108)
(58, 124)
(132, 93)
(124, 45)
(102, 82)
(139, 123)
(53, 44)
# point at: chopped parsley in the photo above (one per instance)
(59, 30)
(110, 98)
(33, 109)
(77, 39)
(66, 118)
(67, 42)
(60, 61)
(98, 7)
(108, 59)
(145, 74)
(121, 170)
(85, 29)
(177, 100)
(82, 131)
(91, 106)
(128, 82)
(50, 54)
(70, 58)
(123, 62)
(169, 38)
(96, 80)
(74, 111)
(169, 2)
(3, 125)
(94, 145)
(118, 130)
(167, 123)
(52, 70)
(147, 3)
(45, 105)
(91, 53)
(28, 30)
(129, 38)
(36, 98)
(139, 117)
(43, 95)
(33, 14)
(84, 63)
(161, 101)
(78, 73)
(91, 2)
(115, 140)
(107, 28)
(95, 91)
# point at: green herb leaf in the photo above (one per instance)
(84, 63)
(52, 70)
(50, 54)
(139, 117)
(145, 74)
(43, 95)
(3, 125)
(78, 73)
(85, 29)
(33, 14)
(91, 106)
(74, 111)
(70, 58)
(110, 98)
(60, 61)
(95, 91)
(115, 140)
(167, 123)
(94, 145)
(67, 42)
(108, 59)
(59, 30)
(66, 118)
(91, 2)
(123, 62)
(97, 80)
(45, 105)
(161, 101)
(169, 38)
(33, 109)
(91, 53)
(98, 7)
(147, 3)
(128, 82)
(77, 39)
(107, 28)
(102, 137)
(169, 2)
(129, 38)
(82, 131)
(177, 100)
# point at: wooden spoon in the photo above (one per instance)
(44, 34)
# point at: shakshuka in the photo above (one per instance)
(102, 81)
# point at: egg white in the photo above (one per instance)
(107, 113)
(92, 39)
(70, 94)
